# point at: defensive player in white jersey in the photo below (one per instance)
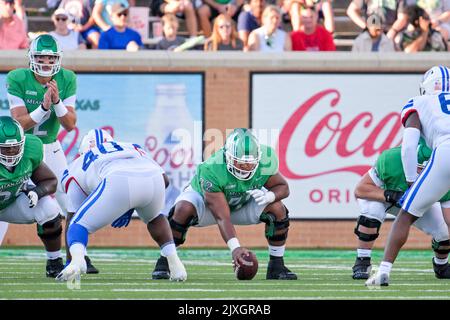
(108, 179)
(427, 115)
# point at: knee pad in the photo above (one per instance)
(442, 247)
(368, 223)
(272, 226)
(51, 229)
(179, 227)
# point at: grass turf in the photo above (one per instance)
(126, 274)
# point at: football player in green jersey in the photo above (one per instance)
(239, 184)
(378, 193)
(42, 98)
(26, 184)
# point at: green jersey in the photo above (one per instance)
(11, 182)
(213, 176)
(25, 90)
(389, 168)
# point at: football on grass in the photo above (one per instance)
(248, 269)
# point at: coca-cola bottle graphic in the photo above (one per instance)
(170, 135)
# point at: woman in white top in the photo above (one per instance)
(68, 39)
(269, 38)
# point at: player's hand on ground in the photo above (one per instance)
(238, 254)
(53, 87)
(32, 198)
(262, 197)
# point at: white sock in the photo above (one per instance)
(77, 251)
(385, 267)
(52, 255)
(168, 249)
(364, 253)
(440, 261)
(276, 251)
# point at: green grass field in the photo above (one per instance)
(125, 274)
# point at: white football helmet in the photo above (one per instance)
(92, 139)
(435, 80)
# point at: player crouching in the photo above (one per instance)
(25, 185)
(239, 184)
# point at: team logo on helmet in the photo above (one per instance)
(12, 141)
(45, 46)
(435, 80)
(242, 154)
(92, 139)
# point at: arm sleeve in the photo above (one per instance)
(407, 110)
(410, 142)
(14, 92)
(75, 195)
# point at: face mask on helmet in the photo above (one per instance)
(92, 139)
(435, 81)
(12, 140)
(242, 154)
(45, 56)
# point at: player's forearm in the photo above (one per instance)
(411, 138)
(25, 121)
(68, 121)
(281, 191)
(226, 228)
(369, 192)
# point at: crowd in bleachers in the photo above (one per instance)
(245, 25)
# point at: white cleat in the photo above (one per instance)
(378, 280)
(176, 267)
(72, 275)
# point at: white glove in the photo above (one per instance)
(262, 196)
(33, 197)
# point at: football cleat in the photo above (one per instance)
(176, 267)
(362, 268)
(276, 270)
(90, 269)
(161, 270)
(54, 267)
(441, 271)
(378, 279)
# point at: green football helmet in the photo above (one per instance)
(45, 45)
(242, 153)
(12, 141)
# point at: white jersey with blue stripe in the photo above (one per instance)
(434, 116)
(91, 168)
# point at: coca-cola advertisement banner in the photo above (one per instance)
(161, 112)
(328, 130)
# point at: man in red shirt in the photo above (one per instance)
(311, 36)
(12, 29)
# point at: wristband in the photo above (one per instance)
(60, 109)
(38, 114)
(233, 243)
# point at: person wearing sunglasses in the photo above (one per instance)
(224, 35)
(68, 39)
(12, 29)
(120, 37)
(102, 11)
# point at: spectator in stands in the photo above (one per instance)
(120, 36)
(20, 12)
(389, 11)
(170, 30)
(209, 9)
(224, 35)
(101, 12)
(178, 7)
(373, 39)
(81, 20)
(269, 37)
(249, 20)
(68, 39)
(311, 36)
(12, 29)
(439, 13)
(419, 35)
(324, 9)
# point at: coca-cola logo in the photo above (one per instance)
(338, 136)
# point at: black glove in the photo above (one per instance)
(392, 196)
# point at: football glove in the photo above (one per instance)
(262, 197)
(32, 198)
(123, 220)
(393, 197)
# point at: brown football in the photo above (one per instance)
(247, 270)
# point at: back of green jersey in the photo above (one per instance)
(24, 90)
(213, 176)
(11, 182)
